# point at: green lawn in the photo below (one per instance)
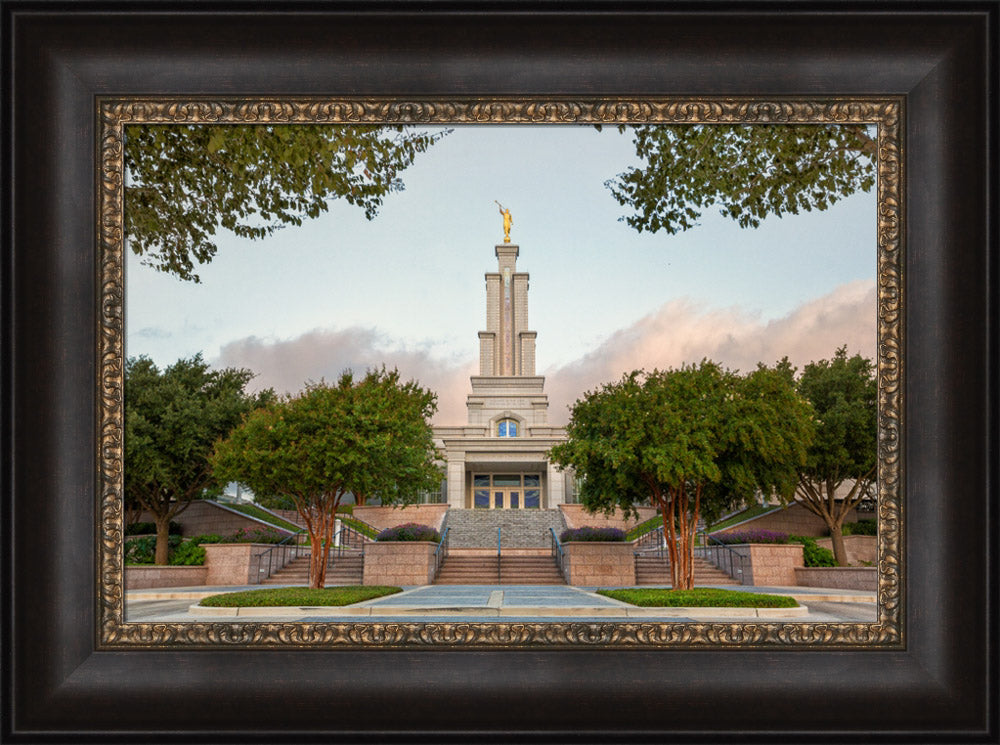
(754, 511)
(699, 597)
(281, 596)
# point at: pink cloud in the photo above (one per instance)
(287, 365)
(680, 331)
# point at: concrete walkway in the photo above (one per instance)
(500, 602)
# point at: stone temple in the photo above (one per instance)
(497, 460)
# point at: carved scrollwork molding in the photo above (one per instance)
(884, 113)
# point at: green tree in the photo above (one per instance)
(841, 462)
(172, 419)
(368, 436)
(184, 182)
(748, 171)
(695, 440)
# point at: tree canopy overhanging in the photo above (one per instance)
(184, 182)
(748, 171)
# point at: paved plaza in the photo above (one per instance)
(485, 603)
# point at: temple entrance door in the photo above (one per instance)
(507, 499)
(506, 491)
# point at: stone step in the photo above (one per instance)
(651, 570)
(345, 570)
(518, 528)
(513, 570)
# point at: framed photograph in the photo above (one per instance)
(917, 85)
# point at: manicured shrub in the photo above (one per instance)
(188, 553)
(409, 532)
(148, 528)
(347, 509)
(207, 538)
(861, 527)
(587, 533)
(812, 554)
(257, 535)
(751, 536)
(142, 550)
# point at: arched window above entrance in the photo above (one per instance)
(507, 428)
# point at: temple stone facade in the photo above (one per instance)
(497, 460)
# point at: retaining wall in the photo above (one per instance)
(143, 577)
(577, 517)
(600, 563)
(380, 517)
(860, 548)
(399, 563)
(770, 563)
(841, 578)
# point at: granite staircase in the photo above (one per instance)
(650, 569)
(518, 528)
(342, 570)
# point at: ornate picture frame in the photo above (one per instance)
(75, 672)
(884, 113)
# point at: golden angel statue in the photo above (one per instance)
(506, 221)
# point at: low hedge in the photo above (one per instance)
(409, 532)
(861, 527)
(597, 535)
(147, 528)
(814, 555)
(751, 536)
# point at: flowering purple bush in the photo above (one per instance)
(592, 534)
(257, 535)
(409, 532)
(752, 536)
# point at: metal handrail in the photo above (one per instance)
(559, 554)
(277, 557)
(651, 542)
(441, 552)
(725, 558)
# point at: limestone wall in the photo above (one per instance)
(842, 578)
(794, 520)
(600, 564)
(771, 563)
(380, 517)
(860, 548)
(577, 517)
(399, 563)
(144, 577)
(233, 563)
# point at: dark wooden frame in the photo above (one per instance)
(56, 687)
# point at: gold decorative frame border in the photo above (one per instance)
(115, 113)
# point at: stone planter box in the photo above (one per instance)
(399, 563)
(600, 564)
(233, 563)
(841, 578)
(144, 577)
(770, 563)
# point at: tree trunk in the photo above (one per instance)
(837, 538)
(162, 539)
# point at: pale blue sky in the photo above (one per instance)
(414, 275)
